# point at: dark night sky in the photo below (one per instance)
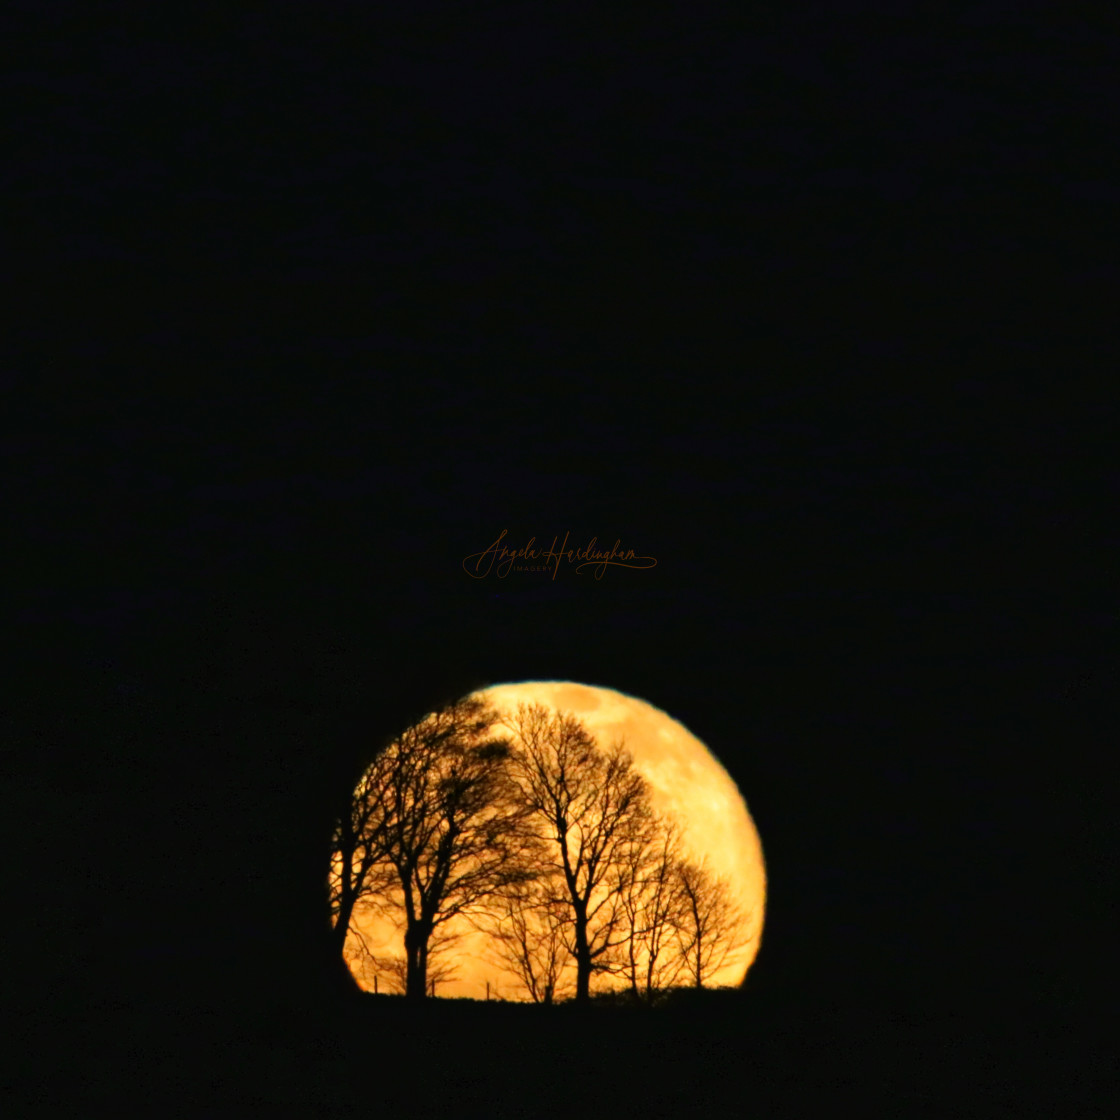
(808, 313)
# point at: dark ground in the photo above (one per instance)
(818, 316)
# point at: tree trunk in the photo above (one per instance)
(342, 925)
(346, 897)
(416, 980)
(583, 982)
(583, 961)
(346, 894)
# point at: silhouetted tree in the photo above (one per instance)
(587, 806)
(654, 906)
(446, 825)
(388, 972)
(710, 932)
(359, 874)
(528, 940)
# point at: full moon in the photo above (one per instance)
(685, 782)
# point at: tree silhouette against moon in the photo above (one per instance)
(505, 845)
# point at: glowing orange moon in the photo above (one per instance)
(685, 782)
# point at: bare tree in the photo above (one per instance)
(711, 931)
(358, 874)
(389, 971)
(528, 940)
(654, 907)
(445, 828)
(587, 806)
